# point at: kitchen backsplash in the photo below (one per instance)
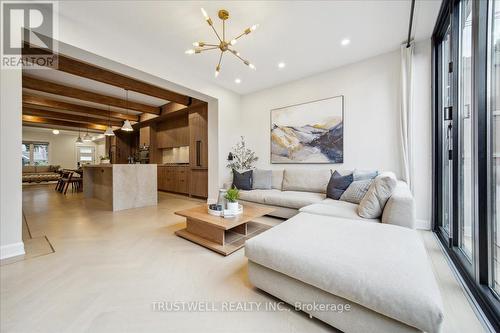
(176, 155)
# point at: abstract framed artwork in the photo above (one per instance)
(307, 133)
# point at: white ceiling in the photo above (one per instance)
(305, 35)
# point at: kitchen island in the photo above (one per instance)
(121, 186)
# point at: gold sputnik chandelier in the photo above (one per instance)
(223, 45)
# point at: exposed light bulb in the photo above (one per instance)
(345, 42)
(190, 51)
(216, 73)
(252, 66)
(254, 27)
(55, 132)
(233, 42)
(205, 15)
(237, 81)
(281, 65)
(196, 44)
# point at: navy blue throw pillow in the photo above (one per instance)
(337, 185)
(242, 181)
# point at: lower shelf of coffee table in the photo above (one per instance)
(233, 241)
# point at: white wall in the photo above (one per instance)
(371, 116)
(371, 120)
(11, 243)
(62, 147)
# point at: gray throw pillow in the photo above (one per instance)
(242, 181)
(356, 191)
(364, 174)
(337, 185)
(373, 203)
(262, 179)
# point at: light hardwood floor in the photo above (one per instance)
(108, 268)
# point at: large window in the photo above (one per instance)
(466, 139)
(466, 106)
(35, 153)
(494, 151)
(86, 154)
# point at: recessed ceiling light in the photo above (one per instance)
(238, 81)
(281, 65)
(345, 41)
(55, 132)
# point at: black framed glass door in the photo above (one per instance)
(466, 131)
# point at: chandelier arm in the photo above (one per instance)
(216, 33)
(208, 49)
(220, 59)
(236, 55)
(240, 35)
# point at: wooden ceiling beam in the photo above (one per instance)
(69, 117)
(40, 101)
(33, 83)
(96, 73)
(27, 120)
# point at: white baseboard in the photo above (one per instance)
(11, 250)
(423, 224)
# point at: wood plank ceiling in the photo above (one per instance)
(54, 104)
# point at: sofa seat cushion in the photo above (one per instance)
(289, 199)
(292, 199)
(382, 267)
(336, 208)
(256, 195)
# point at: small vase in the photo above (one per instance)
(233, 206)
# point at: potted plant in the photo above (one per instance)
(104, 159)
(232, 196)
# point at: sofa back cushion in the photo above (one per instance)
(29, 169)
(262, 179)
(43, 168)
(373, 203)
(306, 180)
(277, 181)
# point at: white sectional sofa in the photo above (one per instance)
(303, 190)
(326, 254)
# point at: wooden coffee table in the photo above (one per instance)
(222, 235)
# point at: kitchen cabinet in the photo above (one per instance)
(144, 136)
(119, 147)
(198, 183)
(173, 178)
(173, 132)
(198, 138)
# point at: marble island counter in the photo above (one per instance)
(121, 186)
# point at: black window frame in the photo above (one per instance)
(476, 278)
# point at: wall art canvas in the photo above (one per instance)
(311, 132)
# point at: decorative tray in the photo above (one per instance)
(225, 212)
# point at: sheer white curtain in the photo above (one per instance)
(406, 111)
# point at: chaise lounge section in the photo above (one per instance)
(327, 254)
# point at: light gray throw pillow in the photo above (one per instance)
(262, 179)
(364, 174)
(356, 191)
(381, 189)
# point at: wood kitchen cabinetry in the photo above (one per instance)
(198, 151)
(119, 147)
(173, 133)
(173, 178)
